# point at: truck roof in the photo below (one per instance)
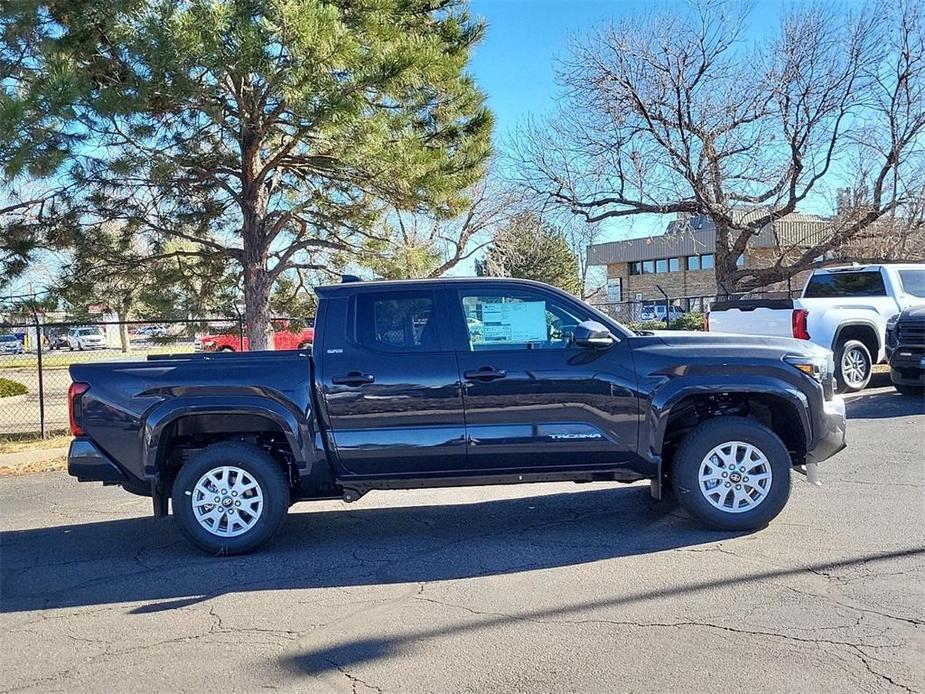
(331, 289)
(869, 267)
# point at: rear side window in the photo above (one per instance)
(397, 321)
(913, 282)
(844, 284)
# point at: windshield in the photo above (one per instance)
(913, 282)
(8, 338)
(842, 284)
(89, 331)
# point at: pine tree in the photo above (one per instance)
(269, 132)
(532, 249)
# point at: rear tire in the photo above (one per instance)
(853, 366)
(732, 473)
(252, 493)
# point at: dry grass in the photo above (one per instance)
(53, 465)
(11, 444)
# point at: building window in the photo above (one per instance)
(661, 265)
(706, 262)
(693, 262)
(648, 267)
(635, 268)
(674, 264)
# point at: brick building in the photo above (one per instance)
(680, 261)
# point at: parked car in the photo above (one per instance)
(398, 394)
(844, 309)
(57, 339)
(905, 347)
(231, 341)
(91, 337)
(11, 344)
(656, 312)
(149, 331)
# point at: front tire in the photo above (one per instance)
(732, 473)
(230, 498)
(853, 366)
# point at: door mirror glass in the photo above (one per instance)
(592, 335)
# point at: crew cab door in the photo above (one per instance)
(533, 399)
(389, 384)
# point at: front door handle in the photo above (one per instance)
(485, 373)
(353, 378)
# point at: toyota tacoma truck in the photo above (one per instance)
(844, 309)
(905, 347)
(449, 382)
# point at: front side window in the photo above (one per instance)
(396, 321)
(518, 320)
(913, 282)
(845, 284)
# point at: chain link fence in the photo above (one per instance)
(680, 312)
(35, 356)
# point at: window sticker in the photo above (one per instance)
(519, 322)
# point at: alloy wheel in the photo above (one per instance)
(227, 501)
(735, 477)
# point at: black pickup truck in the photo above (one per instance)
(456, 382)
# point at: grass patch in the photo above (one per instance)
(61, 359)
(10, 388)
(20, 444)
(53, 465)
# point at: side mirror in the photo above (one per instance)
(590, 334)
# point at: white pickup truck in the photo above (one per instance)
(844, 309)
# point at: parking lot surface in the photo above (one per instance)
(557, 587)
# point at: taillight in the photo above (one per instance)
(798, 323)
(73, 406)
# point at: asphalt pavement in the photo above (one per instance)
(532, 588)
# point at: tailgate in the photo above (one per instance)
(753, 317)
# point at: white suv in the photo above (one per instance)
(85, 338)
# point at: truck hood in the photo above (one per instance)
(916, 312)
(703, 343)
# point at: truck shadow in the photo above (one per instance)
(883, 405)
(143, 560)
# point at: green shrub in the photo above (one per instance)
(647, 325)
(688, 321)
(10, 388)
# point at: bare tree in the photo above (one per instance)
(677, 115)
(418, 245)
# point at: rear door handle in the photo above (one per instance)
(485, 373)
(353, 378)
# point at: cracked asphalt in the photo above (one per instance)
(556, 588)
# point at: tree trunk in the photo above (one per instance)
(257, 287)
(123, 335)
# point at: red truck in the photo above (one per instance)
(283, 338)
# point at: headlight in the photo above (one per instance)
(891, 322)
(816, 368)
